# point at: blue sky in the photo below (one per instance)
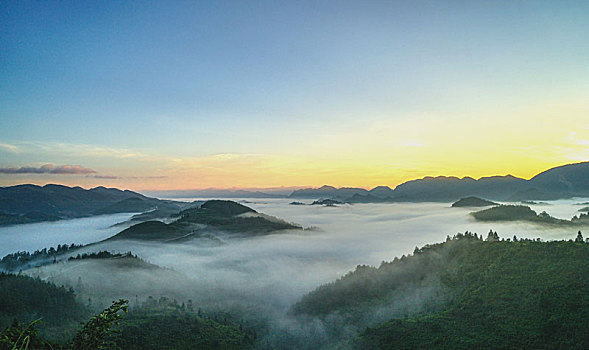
(355, 92)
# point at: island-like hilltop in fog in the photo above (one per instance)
(217, 215)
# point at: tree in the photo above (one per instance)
(96, 333)
(579, 237)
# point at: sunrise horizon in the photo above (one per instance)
(203, 95)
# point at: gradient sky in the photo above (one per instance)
(176, 95)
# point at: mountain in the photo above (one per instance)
(565, 181)
(31, 203)
(381, 191)
(465, 293)
(442, 188)
(472, 202)
(216, 215)
(221, 193)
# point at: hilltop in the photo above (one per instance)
(217, 215)
(525, 213)
(472, 202)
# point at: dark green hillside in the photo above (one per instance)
(166, 324)
(232, 217)
(27, 299)
(507, 213)
(30, 203)
(28, 218)
(225, 208)
(524, 295)
(465, 293)
(179, 331)
(219, 215)
(129, 205)
(24, 260)
(152, 230)
(472, 202)
(525, 213)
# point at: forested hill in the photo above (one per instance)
(30, 203)
(218, 215)
(466, 293)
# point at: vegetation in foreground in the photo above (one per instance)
(465, 293)
(510, 294)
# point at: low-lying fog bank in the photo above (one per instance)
(30, 237)
(276, 270)
(262, 275)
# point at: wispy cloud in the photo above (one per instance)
(84, 150)
(47, 169)
(115, 177)
(107, 177)
(9, 147)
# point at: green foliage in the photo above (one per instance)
(165, 324)
(524, 295)
(179, 331)
(22, 260)
(22, 337)
(102, 255)
(480, 294)
(27, 299)
(97, 333)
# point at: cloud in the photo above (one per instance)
(48, 169)
(114, 177)
(107, 177)
(8, 147)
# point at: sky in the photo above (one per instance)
(156, 95)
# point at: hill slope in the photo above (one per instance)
(31, 203)
(466, 294)
(220, 215)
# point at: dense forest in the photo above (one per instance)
(468, 292)
(23, 260)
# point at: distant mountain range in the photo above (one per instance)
(561, 182)
(31, 203)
